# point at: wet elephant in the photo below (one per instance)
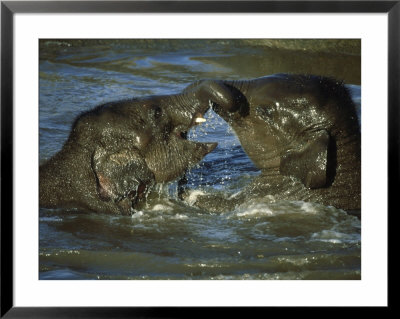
(302, 132)
(117, 151)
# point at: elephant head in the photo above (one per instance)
(117, 150)
(301, 131)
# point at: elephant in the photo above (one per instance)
(301, 132)
(117, 151)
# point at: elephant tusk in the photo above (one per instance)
(199, 120)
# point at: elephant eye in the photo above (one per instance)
(157, 112)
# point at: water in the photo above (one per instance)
(171, 239)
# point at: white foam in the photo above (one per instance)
(180, 216)
(137, 214)
(335, 237)
(192, 198)
(259, 209)
(268, 206)
(161, 207)
(309, 208)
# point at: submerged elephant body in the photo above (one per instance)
(117, 151)
(302, 132)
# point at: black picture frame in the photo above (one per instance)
(9, 8)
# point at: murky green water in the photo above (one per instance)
(171, 239)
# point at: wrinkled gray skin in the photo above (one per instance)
(302, 132)
(117, 151)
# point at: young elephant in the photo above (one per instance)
(302, 132)
(116, 151)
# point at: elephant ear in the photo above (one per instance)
(314, 162)
(120, 174)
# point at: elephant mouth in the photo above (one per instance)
(170, 160)
(181, 130)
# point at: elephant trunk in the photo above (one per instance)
(197, 98)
